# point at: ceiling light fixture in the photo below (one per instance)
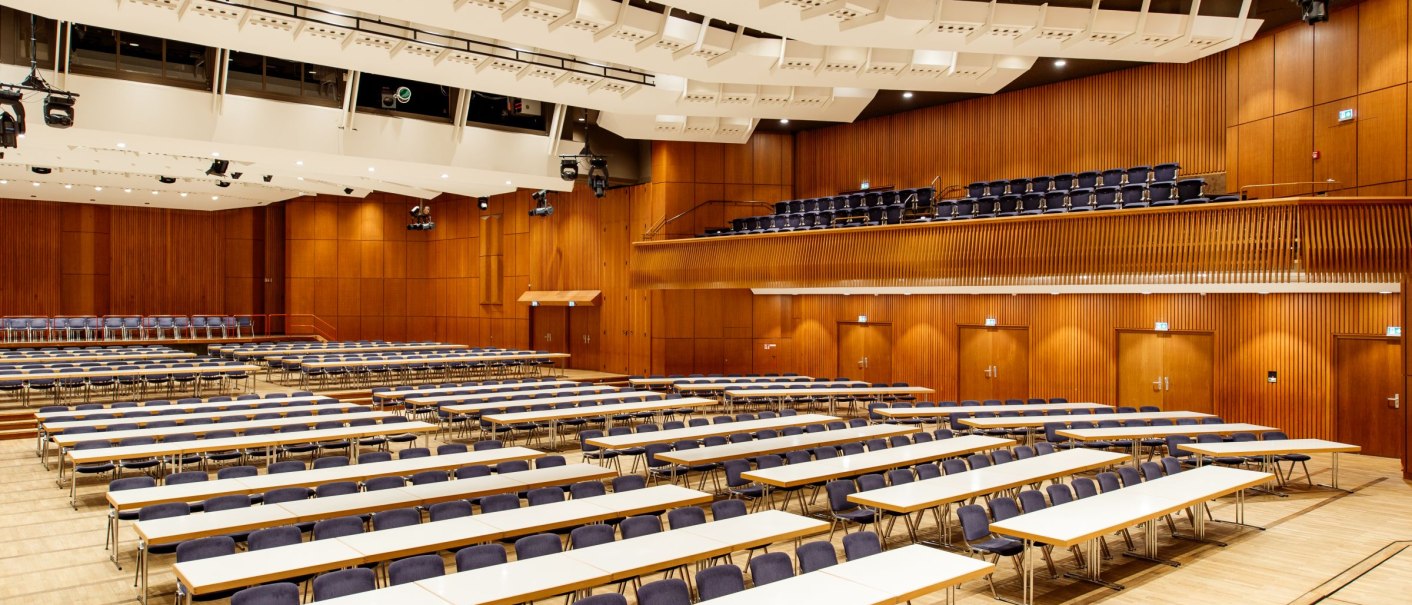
(67, 186)
(298, 162)
(1060, 62)
(218, 168)
(483, 203)
(445, 176)
(183, 194)
(784, 120)
(166, 180)
(36, 183)
(215, 198)
(122, 145)
(127, 189)
(907, 95)
(97, 188)
(215, 154)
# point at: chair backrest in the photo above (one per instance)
(640, 525)
(205, 548)
(1171, 465)
(814, 556)
(860, 544)
(279, 593)
(770, 567)
(499, 502)
(544, 495)
(476, 557)
(395, 518)
(1108, 482)
(449, 510)
(537, 545)
(1003, 508)
(591, 535)
(671, 591)
(685, 516)
(975, 524)
(411, 569)
(718, 581)
(344, 582)
(1032, 500)
(727, 509)
(627, 483)
(1084, 487)
(1059, 494)
(607, 598)
(338, 527)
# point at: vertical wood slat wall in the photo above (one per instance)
(82, 259)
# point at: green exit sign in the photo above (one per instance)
(1345, 115)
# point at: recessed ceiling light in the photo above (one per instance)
(1060, 62)
(1264, 293)
(298, 162)
(445, 176)
(300, 178)
(67, 186)
(1054, 294)
(122, 145)
(1383, 292)
(215, 154)
(1146, 293)
(36, 183)
(154, 192)
(372, 169)
(183, 194)
(4, 182)
(215, 198)
(97, 188)
(507, 182)
(784, 120)
(127, 190)
(907, 95)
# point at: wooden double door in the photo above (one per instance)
(993, 362)
(865, 351)
(1170, 370)
(1369, 397)
(574, 331)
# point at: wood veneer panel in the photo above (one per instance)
(1382, 135)
(1257, 79)
(1382, 44)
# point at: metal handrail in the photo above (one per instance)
(655, 229)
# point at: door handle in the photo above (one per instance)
(1167, 383)
(865, 362)
(1157, 384)
(1396, 401)
(987, 372)
(995, 371)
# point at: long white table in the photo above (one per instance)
(151, 410)
(664, 381)
(66, 440)
(392, 396)
(534, 395)
(747, 449)
(936, 494)
(179, 529)
(833, 393)
(163, 449)
(249, 568)
(1088, 519)
(1267, 450)
(1137, 433)
(947, 411)
(1032, 422)
(554, 416)
(893, 576)
(704, 387)
(156, 354)
(578, 399)
(142, 421)
(696, 433)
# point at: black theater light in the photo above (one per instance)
(218, 168)
(59, 111)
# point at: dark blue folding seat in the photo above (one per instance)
(1134, 195)
(1105, 198)
(1007, 205)
(1087, 179)
(1056, 201)
(1081, 199)
(1114, 177)
(1191, 191)
(1032, 203)
(1162, 194)
(1165, 172)
(1139, 174)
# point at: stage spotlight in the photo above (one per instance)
(166, 180)
(1313, 11)
(568, 168)
(267, 178)
(59, 111)
(222, 183)
(599, 184)
(12, 118)
(348, 191)
(218, 168)
(541, 204)
(416, 210)
(483, 203)
(41, 170)
(236, 175)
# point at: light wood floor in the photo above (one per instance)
(51, 553)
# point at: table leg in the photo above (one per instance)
(1265, 464)
(1137, 453)
(553, 434)
(1027, 584)
(1149, 545)
(1094, 560)
(1333, 475)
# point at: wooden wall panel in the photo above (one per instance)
(1335, 50)
(1382, 135)
(1292, 154)
(1382, 44)
(1294, 77)
(1256, 156)
(1257, 79)
(1337, 143)
(1134, 116)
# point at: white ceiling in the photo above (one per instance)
(651, 75)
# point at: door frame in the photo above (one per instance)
(1029, 344)
(1333, 394)
(1214, 365)
(839, 324)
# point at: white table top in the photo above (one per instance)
(550, 396)
(248, 568)
(478, 388)
(709, 430)
(663, 380)
(596, 410)
(747, 449)
(816, 391)
(157, 354)
(1271, 447)
(59, 427)
(1081, 520)
(1138, 432)
(142, 410)
(243, 441)
(805, 473)
(722, 386)
(939, 411)
(68, 439)
(816, 588)
(1023, 421)
(103, 372)
(517, 582)
(349, 363)
(403, 594)
(911, 571)
(201, 490)
(919, 495)
(162, 531)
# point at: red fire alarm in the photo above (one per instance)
(1316, 154)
